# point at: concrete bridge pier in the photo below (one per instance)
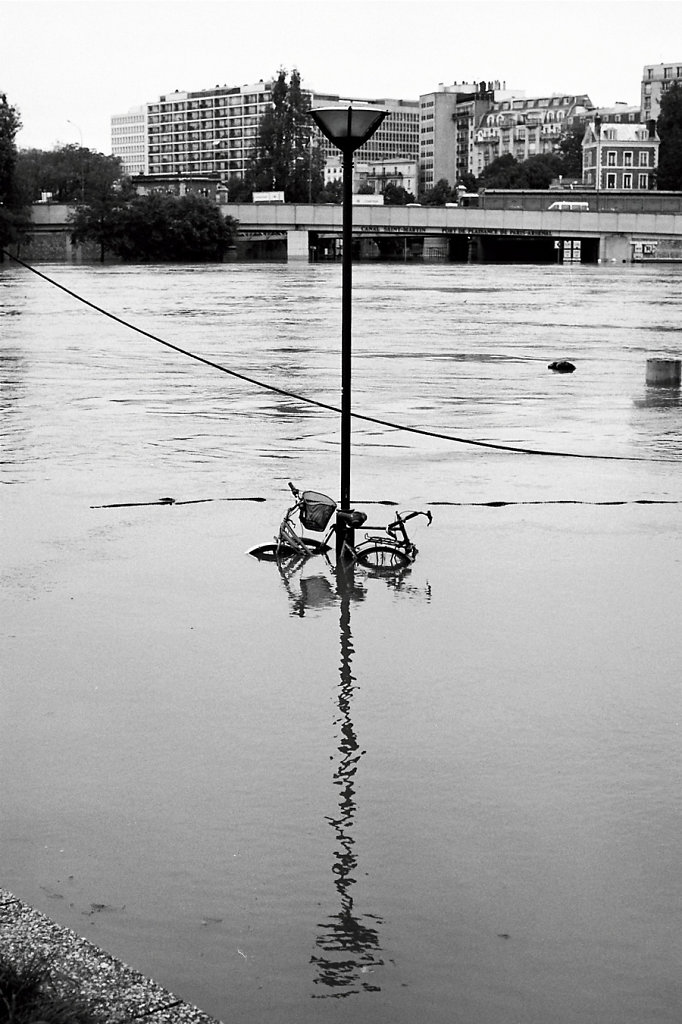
(615, 249)
(474, 249)
(436, 247)
(298, 244)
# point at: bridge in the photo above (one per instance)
(301, 231)
(467, 234)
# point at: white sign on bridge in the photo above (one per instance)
(268, 197)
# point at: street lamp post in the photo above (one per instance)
(347, 128)
(597, 129)
(80, 133)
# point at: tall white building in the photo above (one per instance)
(210, 131)
(214, 131)
(448, 118)
(129, 140)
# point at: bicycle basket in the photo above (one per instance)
(316, 510)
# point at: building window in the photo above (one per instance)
(627, 158)
(627, 181)
(643, 158)
(643, 181)
(667, 72)
(610, 180)
(611, 158)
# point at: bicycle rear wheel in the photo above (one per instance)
(382, 556)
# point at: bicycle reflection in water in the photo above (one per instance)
(349, 954)
(318, 590)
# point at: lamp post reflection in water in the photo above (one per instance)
(348, 943)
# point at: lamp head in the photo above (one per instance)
(349, 127)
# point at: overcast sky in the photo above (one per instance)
(68, 65)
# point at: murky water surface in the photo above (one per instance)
(453, 796)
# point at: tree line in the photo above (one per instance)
(285, 158)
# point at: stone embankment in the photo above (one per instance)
(114, 992)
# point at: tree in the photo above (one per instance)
(285, 157)
(439, 195)
(72, 174)
(538, 171)
(239, 190)
(100, 220)
(332, 192)
(159, 228)
(12, 219)
(500, 173)
(468, 181)
(571, 150)
(396, 195)
(669, 126)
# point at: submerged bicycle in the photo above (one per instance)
(388, 548)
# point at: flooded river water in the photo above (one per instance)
(453, 796)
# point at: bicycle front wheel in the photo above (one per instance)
(276, 552)
(382, 556)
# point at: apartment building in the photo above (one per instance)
(401, 173)
(620, 155)
(656, 80)
(209, 131)
(525, 127)
(468, 116)
(214, 131)
(449, 117)
(376, 175)
(621, 113)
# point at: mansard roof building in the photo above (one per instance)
(525, 127)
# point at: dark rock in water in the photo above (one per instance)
(561, 366)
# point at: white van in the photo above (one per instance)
(565, 204)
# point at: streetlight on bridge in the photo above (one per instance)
(80, 133)
(347, 128)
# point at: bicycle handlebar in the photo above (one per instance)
(402, 517)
